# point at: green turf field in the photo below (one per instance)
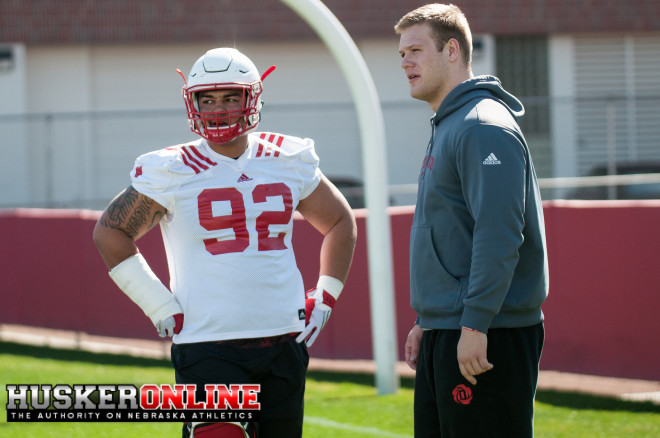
(337, 405)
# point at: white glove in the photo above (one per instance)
(318, 306)
(170, 326)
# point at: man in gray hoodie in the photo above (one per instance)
(478, 263)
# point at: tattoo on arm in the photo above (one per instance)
(129, 212)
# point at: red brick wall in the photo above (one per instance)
(172, 21)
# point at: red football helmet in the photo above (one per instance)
(223, 69)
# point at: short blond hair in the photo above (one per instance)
(446, 21)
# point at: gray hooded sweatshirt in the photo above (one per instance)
(477, 244)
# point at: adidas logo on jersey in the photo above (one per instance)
(243, 178)
(491, 160)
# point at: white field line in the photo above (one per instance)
(320, 421)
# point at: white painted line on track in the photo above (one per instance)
(320, 421)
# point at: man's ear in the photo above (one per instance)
(453, 49)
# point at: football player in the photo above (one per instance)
(225, 204)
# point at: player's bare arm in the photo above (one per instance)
(127, 218)
(328, 211)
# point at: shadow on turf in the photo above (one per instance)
(593, 402)
(357, 378)
(80, 356)
(555, 398)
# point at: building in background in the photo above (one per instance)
(86, 86)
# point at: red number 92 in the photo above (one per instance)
(237, 219)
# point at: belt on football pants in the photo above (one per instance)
(258, 342)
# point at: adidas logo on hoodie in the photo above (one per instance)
(491, 160)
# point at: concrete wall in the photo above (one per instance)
(81, 114)
(601, 315)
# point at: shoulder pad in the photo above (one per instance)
(272, 144)
(155, 171)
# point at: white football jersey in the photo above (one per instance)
(227, 233)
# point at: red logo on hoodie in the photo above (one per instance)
(427, 163)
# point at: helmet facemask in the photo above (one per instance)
(223, 126)
(223, 69)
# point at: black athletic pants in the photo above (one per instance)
(279, 368)
(500, 405)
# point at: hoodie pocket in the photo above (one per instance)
(431, 286)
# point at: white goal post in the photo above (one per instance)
(374, 151)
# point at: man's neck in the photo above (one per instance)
(457, 80)
(231, 149)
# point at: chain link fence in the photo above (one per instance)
(81, 160)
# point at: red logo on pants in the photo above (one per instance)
(462, 394)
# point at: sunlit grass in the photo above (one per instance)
(336, 405)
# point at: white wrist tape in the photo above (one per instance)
(136, 279)
(330, 285)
